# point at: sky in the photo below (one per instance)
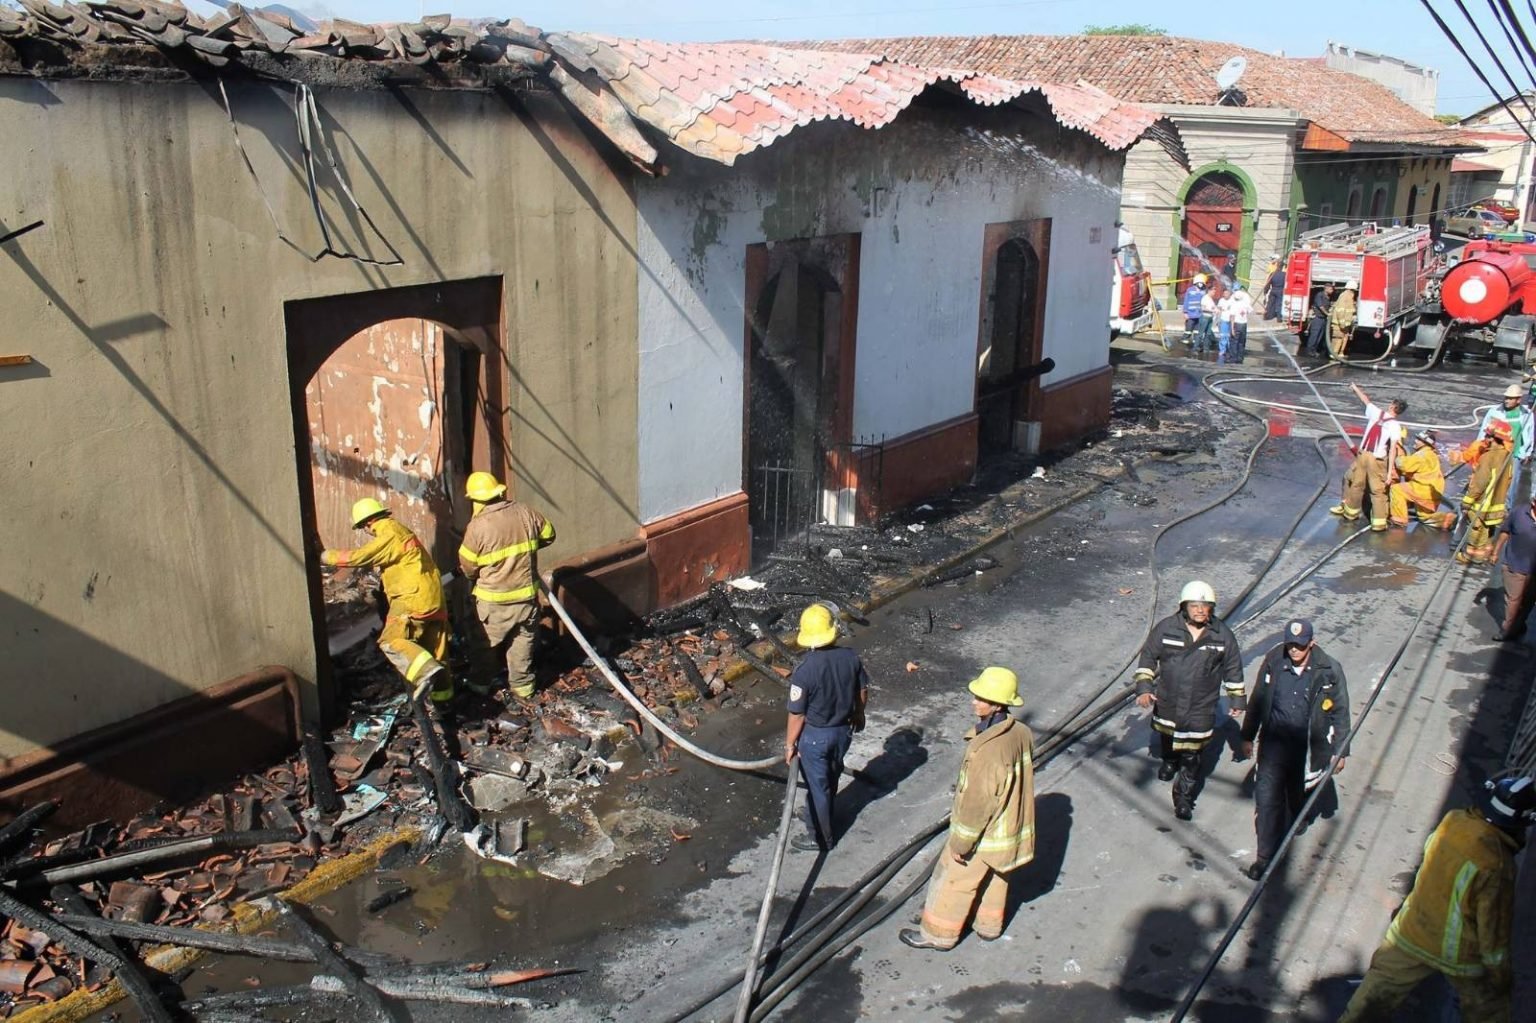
(1296, 27)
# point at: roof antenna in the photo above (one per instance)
(1227, 79)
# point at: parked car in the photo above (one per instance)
(1503, 209)
(1475, 223)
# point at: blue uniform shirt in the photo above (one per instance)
(826, 687)
(1291, 709)
(1520, 548)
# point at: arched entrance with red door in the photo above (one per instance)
(1215, 224)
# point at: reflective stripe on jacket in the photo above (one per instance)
(1458, 916)
(1423, 466)
(411, 579)
(1488, 489)
(1185, 676)
(994, 813)
(498, 551)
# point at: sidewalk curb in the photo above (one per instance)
(249, 918)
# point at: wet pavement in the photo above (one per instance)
(1117, 914)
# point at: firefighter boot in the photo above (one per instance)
(1167, 769)
(1345, 512)
(1185, 784)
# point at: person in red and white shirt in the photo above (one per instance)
(1378, 452)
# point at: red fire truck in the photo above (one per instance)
(1389, 267)
(1484, 304)
(1130, 305)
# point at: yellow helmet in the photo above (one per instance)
(482, 486)
(366, 509)
(817, 629)
(999, 686)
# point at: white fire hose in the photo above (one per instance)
(639, 705)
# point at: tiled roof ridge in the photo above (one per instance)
(713, 100)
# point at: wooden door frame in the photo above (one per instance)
(1037, 234)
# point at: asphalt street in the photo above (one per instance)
(1123, 904)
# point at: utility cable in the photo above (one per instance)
(1497, 60)
(1476, 68)
(1510, 24)
(639, 705)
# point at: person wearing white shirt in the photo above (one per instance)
(1241, 308)
(1204, 335)
(1379, 449)
(1223, 326)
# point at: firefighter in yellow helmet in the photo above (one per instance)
(992, 823)
(415, 634)
(498, 558)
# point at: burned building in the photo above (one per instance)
(252, 273)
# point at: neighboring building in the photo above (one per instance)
(1414, 84)
(1294, 145)
(1503, 131)
(633, 277)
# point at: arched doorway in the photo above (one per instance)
(1212, 231)
(1006, 392)
(1379, 202)
(396, 394)
(1352, 210)
(1434, 203)
(1413, 205)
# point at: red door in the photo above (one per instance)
(1213, 227)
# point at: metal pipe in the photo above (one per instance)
(786, 818)
(172, 850)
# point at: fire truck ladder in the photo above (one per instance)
(1369, 237)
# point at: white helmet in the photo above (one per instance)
(1197, 592)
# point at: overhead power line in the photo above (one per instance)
(1476, 68)
(1497, 60)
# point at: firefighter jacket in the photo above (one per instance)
(1327, 707)
(1191, 302)
(1185, 675)
(498, 551)
(412, 583)
(1457, 918)
(1342, 316)
(1488, 489)
(1423, 467)
(993, 817)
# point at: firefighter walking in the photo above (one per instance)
(1484, 502)
(1457, 918)
(498, 558)
(415, 633)
(1298, 715)
(991, 825)
(1378, 451)
(1420, 485)
(1189, 659)
(828, 694)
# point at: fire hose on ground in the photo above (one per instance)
(830, 943)
(639, 705)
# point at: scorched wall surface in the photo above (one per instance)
(151, 479)
(919, 193)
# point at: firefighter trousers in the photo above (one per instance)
(1366, 472)
(1185, 765)
(957, 894)
(1393, 976)
(1421, 496)
(416, 647)
(822, 750)
(510, 627)
(1481, 527)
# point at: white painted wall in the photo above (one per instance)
(920, 194)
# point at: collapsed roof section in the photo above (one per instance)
(715, 101)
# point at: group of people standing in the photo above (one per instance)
(1216, 318)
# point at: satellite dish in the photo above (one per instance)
(1230, 73)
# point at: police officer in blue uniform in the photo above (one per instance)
(827, 696)
(1299, 714)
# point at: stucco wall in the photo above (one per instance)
(1257, 144)
(151, 486)
(919, 193)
